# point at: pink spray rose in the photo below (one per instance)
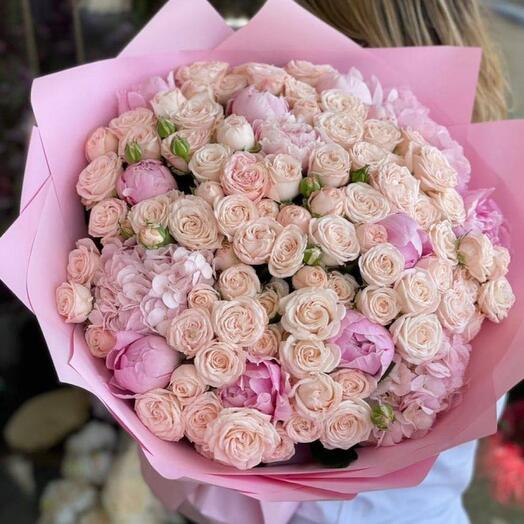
(365, 345)
(256, 105)
(139, 95)
(140, 364)
(143, 180)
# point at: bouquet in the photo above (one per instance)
(289, 256)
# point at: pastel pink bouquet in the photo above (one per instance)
(286, 260)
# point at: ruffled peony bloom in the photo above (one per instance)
(139, 95)
(256, 105)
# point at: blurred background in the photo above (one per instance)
(61, 459)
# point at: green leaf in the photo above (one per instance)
(333, 458)
(360, 175)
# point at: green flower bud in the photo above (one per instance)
(133, 152)
(256, 148)
(360, 175)
(165, 127)
(382, 415)
(309, 185)
(153, 237)
(312, 256)
(180, 147)
(126, 231)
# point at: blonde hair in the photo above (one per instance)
(397, 23)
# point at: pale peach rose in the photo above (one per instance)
(98, 180)
(501, 260)
(199, 112)
(344, 285)
(203, 296)
(201, 72)
(234, 211)
(210, 191)
(264, 77)
(370, 235)
(450, 204)
(190, 331)
(199, 414)
(307, 72)
(241, 437)
(152, 211)
(287, 254)
(398, 185)
(342, 128)
(246, 174)
(443, 240)
(305, 111)
(310, 276)
(463, 280)
(100, 142)
(426, 212)
(99, 341)
(146, 138)
(267, 208)
(280, 286)
(440, 270)
(365, 154)
(364, 204)
(295, 91)
(167, 104)
(432, 168)
(152, 237)
(418, 338)
(337, 238)
(327, 201)
(496, 298)
(225, 257)
(473, 327)
(330, 164)
(378, 304)
(190, 88)
(349, 424)
(311, 313)
(269, 299)
(355, 383)
(381, 265)
(316, 396)
(253, 242)
(220, 363)
(186, 384)
(161, 413)
(293, 214)
(195, 138)
(336, 100)
(73, 302)
(267, 346)
(240, 280)
(192, 223)
(284, 450)
(417, 292)
(411, 142)
(208, 161)
(236, 132)
(241, 321)
(285, 175)
(228, 85)
(382, 133)
(475, 251)
(301, 358)
(303, 430)
(455, 310)
(135, 118)
(83, 262)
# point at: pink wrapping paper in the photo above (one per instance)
(52, 218)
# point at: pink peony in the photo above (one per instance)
(364, 345)
(263, 386)
(139, 95)
(256, 105)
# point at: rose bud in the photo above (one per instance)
(382, 415)
(236, 132)
(133, 152)
(165, 127)
(210, 191)
(153, 237)
(257, 105)
(308, 186)
(312, 256)
(73, 302)
(327, 201)
(100, 142)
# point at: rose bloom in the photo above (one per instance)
(263, 76)
(311, 313)
(269, 300)
(330, 163)
(279, 285)
(475, 251)
(327, 201)
(303, 430)
(338, 100)
(199, 414)
(364, 345)
(241, 321)
(196, 138)
(267, 346)
(426, 212)
(305, 110)
(310, 276)
(455, 310)
(228, 86)
(208, 161)
(244, 173)
(167, 104)
(464, 281)
(411, 142)
(382, 133)
(202, 72)
(192, 223)
(98, 180)
(379, 304)
(349, 424)
(295, 90)
(232, 212)
(241, 437)
(293, 214)
(267, 208)
(210, 191)
(440, 270)
(225, 256)
(199, 112)
(135, 118)
(344, 285)
(285, 449)
(417, 292)
(316, 396)
(146, 138)
(418, 338)
(355, 384)
(285, 175)
(240, 280)
(236, 132)
(300, 358)
(365, 204)
(450, 204)
(73, 302)
(203, 296)
(364, 154)
(100, 142)
(190, 331)
(473, 327)
(143, 180)
(501, 260)
(432, 168)
(443, 240)
(287, 254)
(186, 384)
(381, 265)
(253, 242)
(220, 363)
(496, 298)
(83, 262)
(337, 238)
(256, 105)
(369, 235)
(307, 72)
(190, 89)
(342, 128)
(152, 211)
(161, 413)
(99, 341)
